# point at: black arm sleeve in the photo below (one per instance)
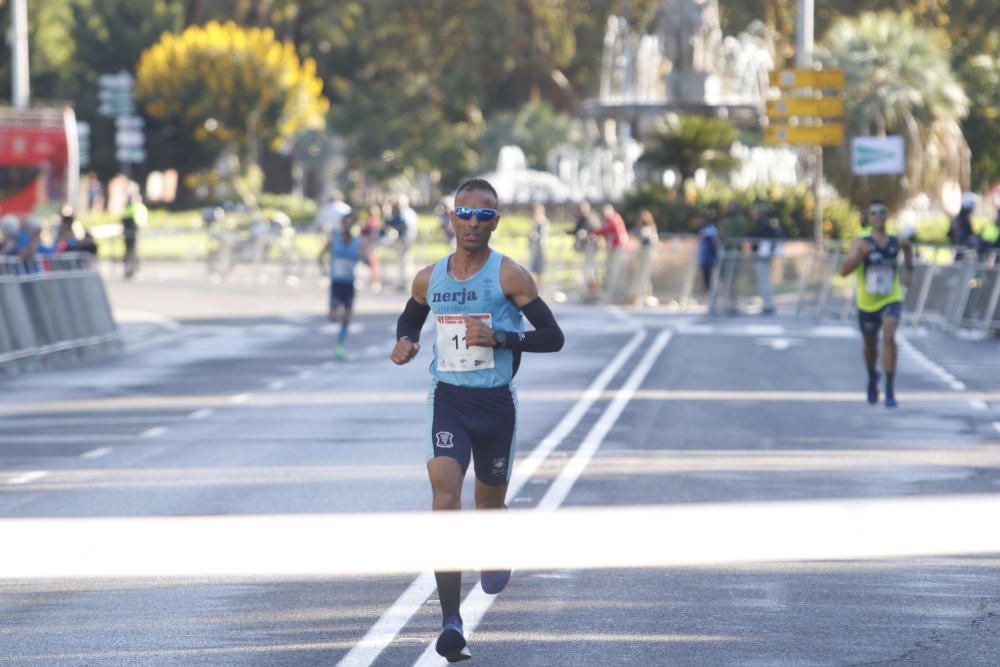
(547, 336)
(412, 320)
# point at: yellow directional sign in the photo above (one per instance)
(824, 107)
(808, 78)
(831, 134)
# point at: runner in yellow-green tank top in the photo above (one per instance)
(875, 257)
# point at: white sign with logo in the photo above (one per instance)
(878, 155)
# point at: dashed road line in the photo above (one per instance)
(200, 414)
(154, 432)
(27, 477)
(277, 384)
(240, 398)
(96, 453)
(934, 368)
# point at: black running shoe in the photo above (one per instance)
(451, 641)
(494, 581)
(873, 390)
(890, 398)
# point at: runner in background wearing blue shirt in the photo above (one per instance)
(477, 297)
(345, 249)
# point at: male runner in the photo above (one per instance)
(477, 297)
(879, 295)
(345, 249)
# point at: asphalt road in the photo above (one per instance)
(227, 402)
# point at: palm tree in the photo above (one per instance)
(899, 81)
(689, 143)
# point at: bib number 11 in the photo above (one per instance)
(454, 353)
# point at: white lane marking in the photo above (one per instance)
(979, 404)
(305, 375)
(154, 432)
(277, 384)
(240, 398)
(996, 426)
(27, 477)
(398, 615)
(764, 330)
(833, 331)
(328, 364)
(706, 329)
(924, 361)
(780, 343)
(477, 603)
(96, 453)
(200, 414)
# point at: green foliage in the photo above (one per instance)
(675, 209)
(689, 143)
(226, 85)
(982, 127)
(899, 81)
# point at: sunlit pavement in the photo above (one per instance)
(227, 402)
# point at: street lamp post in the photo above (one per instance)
(20, 86)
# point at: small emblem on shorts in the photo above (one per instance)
(444, 440)
(499, 465)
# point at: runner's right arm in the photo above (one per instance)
(854, 258)
(412, 320)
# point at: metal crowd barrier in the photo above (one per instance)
(951, 288)
(53, 310)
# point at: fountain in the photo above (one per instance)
(686, 66)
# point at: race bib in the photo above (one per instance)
(453, 353)
(342, 266)
(879, 280)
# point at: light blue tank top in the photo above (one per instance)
(343, 258)
(478, 294)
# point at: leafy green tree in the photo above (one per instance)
(223, 85)
(899, 81)
(982, 126)
(689, 143)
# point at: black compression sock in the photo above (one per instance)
(872, 376)
(890, 381)
(449, 592)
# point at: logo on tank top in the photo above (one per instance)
(488, 289)
(444, 440)
(461, 297)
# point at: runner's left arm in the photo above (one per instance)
(520, 288)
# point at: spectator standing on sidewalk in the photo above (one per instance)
(709, 243)
(404, 223)
(616, 237)
(538, 242)
(649, 240)
(960, 233)
(585, 243)
(136, 215)
(330, 214)
(766, 235)
(371, 232)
